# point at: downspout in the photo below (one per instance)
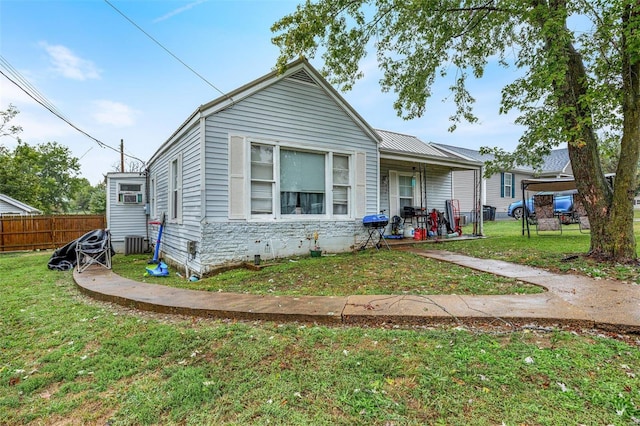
(378, 179)
(147, 206)
(483, 196)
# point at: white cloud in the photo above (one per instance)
(178, 11)
(11, 94)
(69, 65)
(114, 113)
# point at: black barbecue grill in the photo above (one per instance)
(375, 225)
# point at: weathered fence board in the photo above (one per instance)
(45, 232)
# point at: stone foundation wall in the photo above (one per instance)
(224, 243)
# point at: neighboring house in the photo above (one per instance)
(260, 170)
(11, 206)
(501, 189)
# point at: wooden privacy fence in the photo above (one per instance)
(45, 232)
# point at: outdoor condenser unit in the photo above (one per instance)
(133, 244)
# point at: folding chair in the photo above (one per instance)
(581, 214)
(94, 248)
(408, 213)
(546, 220)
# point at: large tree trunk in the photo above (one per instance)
(610, 210)
(621, 244)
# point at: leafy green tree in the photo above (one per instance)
(5, 117)
(43, 176)
(88, 198)
(17, 177)
(98, 201)
(579, 82)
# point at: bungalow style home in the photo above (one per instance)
(11, 206)
(266, 168)
(502, 189)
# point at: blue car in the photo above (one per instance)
(563, 203)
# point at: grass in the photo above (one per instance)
(66, 359)
(552, 251)
(368, 272)
(397, 272)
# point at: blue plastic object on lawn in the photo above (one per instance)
(156, 253)
(161, 270)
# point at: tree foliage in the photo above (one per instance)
(578, 81)
(44, 176)
(89, 199)
(5, 117)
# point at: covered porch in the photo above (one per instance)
(417, 185)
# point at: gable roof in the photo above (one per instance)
(19, 205)
(300, 70)
(556, 163)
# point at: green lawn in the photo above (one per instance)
(398, 272)
(66, 359)
(368, 272)
(550, 250)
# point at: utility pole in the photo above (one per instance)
(122, 155)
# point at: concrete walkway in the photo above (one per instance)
(571, 300)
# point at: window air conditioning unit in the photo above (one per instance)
(131, 198)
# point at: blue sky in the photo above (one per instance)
(110, 80)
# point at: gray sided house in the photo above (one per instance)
(501, 189)
(11, 206)
(127, 210)
(261, 170)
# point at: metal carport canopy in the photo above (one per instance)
(548, 184)
(542, 184)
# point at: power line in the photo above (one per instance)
(40, 99)
(16, 75)
(167, 50)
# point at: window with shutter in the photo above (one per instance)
(286, 181)
(507, 190)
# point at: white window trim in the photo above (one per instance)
(250, 181)
(328, 153)
(510, 192)
(350, 186)
(175, 216)
(153, 196)
(139, 193)
(414, 188)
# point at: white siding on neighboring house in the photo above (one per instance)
(499, 198)
(11, 206)
(6, 208)
(465, 191)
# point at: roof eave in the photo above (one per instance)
(228, 100)
(430, 159)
